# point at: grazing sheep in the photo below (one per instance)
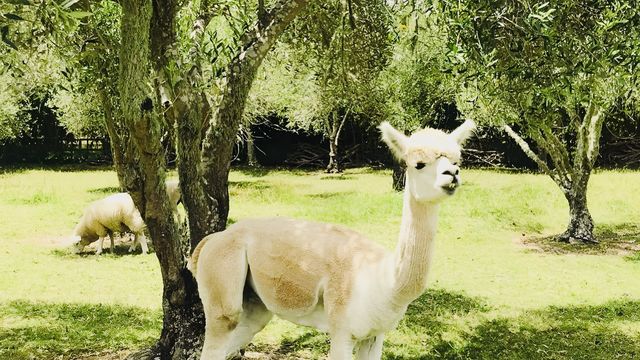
(115, 213)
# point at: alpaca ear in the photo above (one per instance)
(395, 140)
(463, 132)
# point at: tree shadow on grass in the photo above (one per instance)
(21, 168)
(451, 325)
(428, 315)
(251, 185)
(330, 195)
(67, 331)
(105, 190)
(581, 332)
(614, 239)
(573, 332)
(121, 248)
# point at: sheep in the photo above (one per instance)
(117, 213)
(175, 196)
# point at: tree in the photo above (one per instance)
(418, 84)
(162, 79)
(553, 70)
(323, 73)
(345, 45)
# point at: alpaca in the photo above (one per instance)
(327, 276)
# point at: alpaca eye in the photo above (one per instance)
(420, 165)
(455, 163)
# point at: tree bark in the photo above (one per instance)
(398, 175)
(203, 166)
(580, 227)
(336, 126)
(183, 322)
(251, 150)
(570, 173)
(220, 137)
(334, 165)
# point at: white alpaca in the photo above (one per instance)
(323, 275)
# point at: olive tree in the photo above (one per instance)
(323, 73)
(418, 83)
(163, 80)
(549, 72)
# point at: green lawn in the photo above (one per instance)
(490, 297)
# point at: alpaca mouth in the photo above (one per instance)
(450, 188)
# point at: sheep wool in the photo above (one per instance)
(115, 213)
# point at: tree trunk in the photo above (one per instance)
(570, 172)
(580, 228)
(221, 134)
(183, 320)
(203, 165)
(336, 125)
(334, 163)
(398, 176)
(251, 150)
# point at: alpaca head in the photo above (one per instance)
(432, 158)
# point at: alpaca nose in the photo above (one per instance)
(453, 173)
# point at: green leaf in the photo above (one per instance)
(13, 17)
(80, 14)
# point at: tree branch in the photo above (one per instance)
(220, 136)
(558, 153)
(344, 120)
(533, 156)
(593, 133)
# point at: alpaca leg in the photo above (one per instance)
(218, 334)
(341, 347)
(254, 318)
(221, 281)
(370, 349)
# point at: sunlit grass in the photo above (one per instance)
(491, 297)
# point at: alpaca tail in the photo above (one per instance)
(192, 262)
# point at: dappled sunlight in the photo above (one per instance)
(489, 296)
(68, 330)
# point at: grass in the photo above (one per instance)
(492, 294)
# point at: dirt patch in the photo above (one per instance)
(49, 241)
(620, 239)
(62, 241)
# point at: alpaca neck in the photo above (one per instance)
(414, 251)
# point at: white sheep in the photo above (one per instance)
(116, 213)
(173, 191)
